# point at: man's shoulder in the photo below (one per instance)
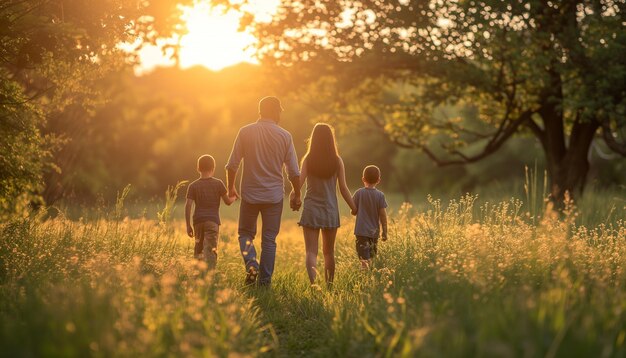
(283, 130)
(256, 126)
(280, 130)
(248, 127)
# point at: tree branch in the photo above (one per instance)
(537, 131)
(501, 136)
(610, 140)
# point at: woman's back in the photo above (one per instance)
(320, 207)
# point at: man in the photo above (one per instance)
(264, 147)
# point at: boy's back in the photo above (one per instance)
(368, 201)
(206, 194)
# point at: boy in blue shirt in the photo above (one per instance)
(206, 192)
(371, 215)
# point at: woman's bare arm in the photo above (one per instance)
(343, 187)
(303, 174)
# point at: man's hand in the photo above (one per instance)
(384, 236)
(232, 192)
(190, 231)
(353, 212)
(294, 201)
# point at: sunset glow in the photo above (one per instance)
(212, 39)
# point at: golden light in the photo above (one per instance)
(212, 39)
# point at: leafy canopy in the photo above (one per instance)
(51, 52)
(520, 63)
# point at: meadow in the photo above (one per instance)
(465, 277)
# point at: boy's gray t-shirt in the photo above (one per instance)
(368, 202)
(206, 194)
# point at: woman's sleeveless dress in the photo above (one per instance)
(320, 209)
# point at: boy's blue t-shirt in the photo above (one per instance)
(206, 194)
(368, 201)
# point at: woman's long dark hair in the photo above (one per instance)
(322, 157)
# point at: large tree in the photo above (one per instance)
(552, 69)
(51, 54)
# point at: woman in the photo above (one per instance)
(322, 169)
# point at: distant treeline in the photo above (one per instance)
(149, 131)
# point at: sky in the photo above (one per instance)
(213, 39)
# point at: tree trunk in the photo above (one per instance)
(568, 176)
(567, 161)
(569, 173)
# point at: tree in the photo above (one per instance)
(51, 52)
(551, 69)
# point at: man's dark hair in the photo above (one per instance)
(206, 163)
(371, 174)
(270, 107)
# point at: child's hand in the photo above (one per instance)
(353, 212)
(384, 238)
(189, 231)
(233, 192)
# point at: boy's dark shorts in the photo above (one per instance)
(366, 247)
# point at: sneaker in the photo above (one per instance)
(251, 276)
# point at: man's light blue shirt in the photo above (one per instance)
(264, 148)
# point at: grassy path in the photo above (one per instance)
(301, 317)
(449, 282)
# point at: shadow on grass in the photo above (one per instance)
(298, 314)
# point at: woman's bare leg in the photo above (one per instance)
(311, 243)
(328, 248)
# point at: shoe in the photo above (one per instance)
(251, 276)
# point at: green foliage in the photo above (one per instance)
(24, 151)
(151, 130)
(459, 279)
(51, 52)
(549, 69)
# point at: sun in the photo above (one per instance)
(212, 39)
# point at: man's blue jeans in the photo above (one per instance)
(270, 218)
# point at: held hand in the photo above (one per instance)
(190, 231)
(353, 212)
(294, 201)
(232, 192)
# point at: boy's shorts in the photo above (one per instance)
(366, 247)
(206, 235)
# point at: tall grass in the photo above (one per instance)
(99, 288)
(464, 278)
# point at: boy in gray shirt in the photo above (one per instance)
(205, 194)
(371, 215)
